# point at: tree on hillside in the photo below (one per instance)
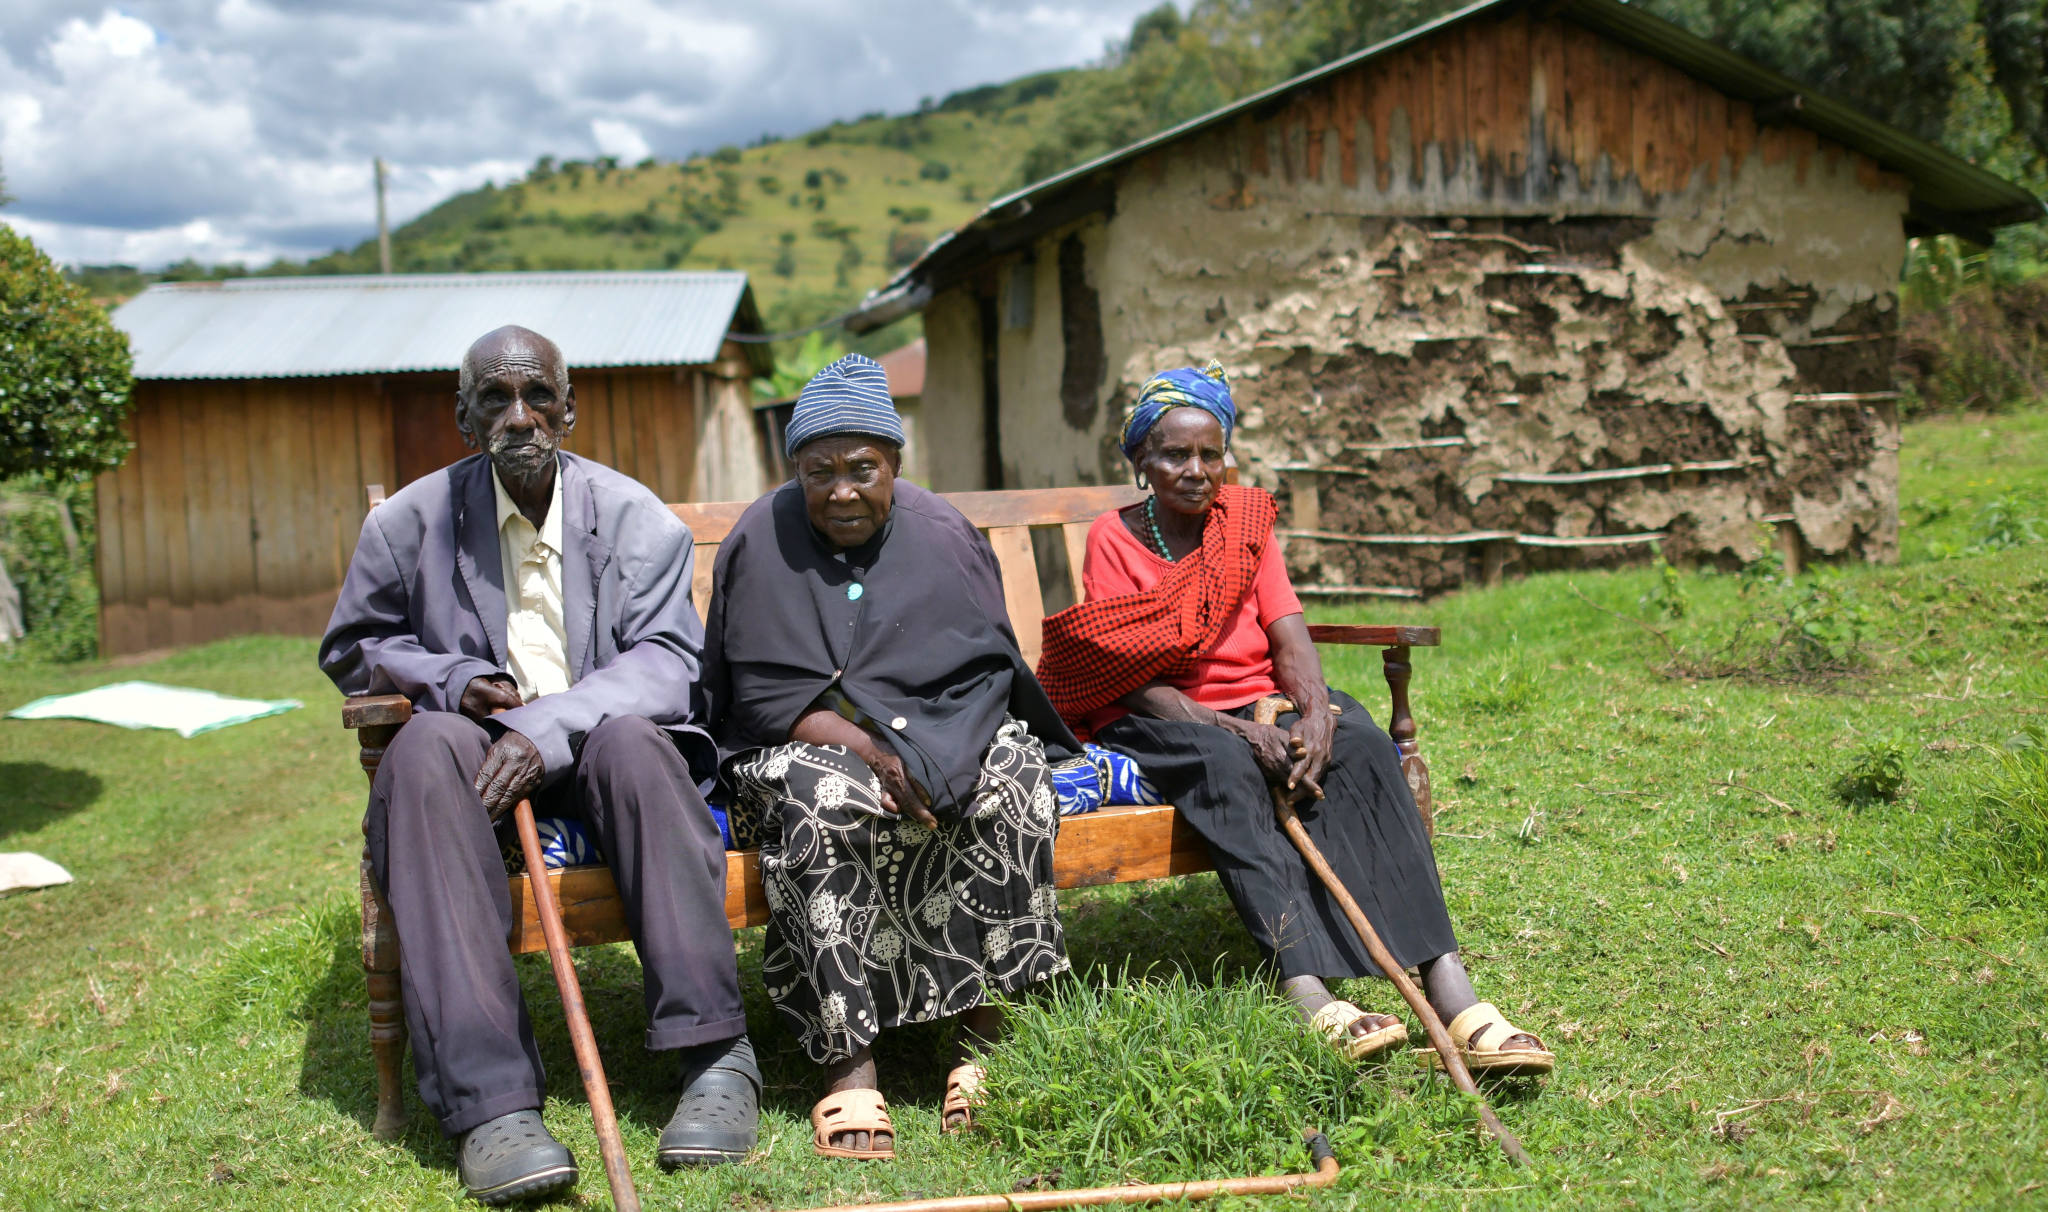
(2016, 43)
(64, 371)
(1896, 59)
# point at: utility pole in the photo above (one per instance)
(383, 224)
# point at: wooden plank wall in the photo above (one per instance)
(1525, 109)
(239, 508)
(641, 421)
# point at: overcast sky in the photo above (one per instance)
(243, 129)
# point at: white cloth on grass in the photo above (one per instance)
(184, 711)
(22, 870)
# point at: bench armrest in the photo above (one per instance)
(372, 710)
(1384, 637)
(375, 718)
(1394, 643)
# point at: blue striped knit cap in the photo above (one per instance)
(851, 396)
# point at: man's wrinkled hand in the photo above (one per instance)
(487, 695)
(512, 770)
(900, 792)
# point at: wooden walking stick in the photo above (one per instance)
(620, 1178)
(1268, 710)
(1319, 1152)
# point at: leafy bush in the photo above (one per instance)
(1876, 774)
(2012, 809)
(2009, 521)
(64, 371)
(1984, 350)
(2006, 521)
(47, 541)
(1667, 594)
(1797, 629)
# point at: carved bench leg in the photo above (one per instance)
(387, 1009)
(1401, 727)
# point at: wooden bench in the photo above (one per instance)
(1111, 846)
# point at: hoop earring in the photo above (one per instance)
(1139, 476)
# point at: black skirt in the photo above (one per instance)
(1366, 826)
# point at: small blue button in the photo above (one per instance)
(853, 592)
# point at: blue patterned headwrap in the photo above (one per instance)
(1183, 388)
(851, 396)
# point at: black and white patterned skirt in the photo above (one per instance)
(876, 921)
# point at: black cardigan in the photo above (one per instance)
(925, 650)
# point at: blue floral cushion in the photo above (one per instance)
(565, 841)
(1098, 777)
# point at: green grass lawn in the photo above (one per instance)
(1758, 994)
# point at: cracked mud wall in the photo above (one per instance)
(1489, 348)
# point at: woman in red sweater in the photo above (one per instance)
(1189, 621)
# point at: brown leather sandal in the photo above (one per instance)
(845, 1111)
(963, 1095)
(1477, 1030)
(1333, 1022)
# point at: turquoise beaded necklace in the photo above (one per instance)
(1152, 521)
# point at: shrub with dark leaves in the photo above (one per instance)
(64, 371)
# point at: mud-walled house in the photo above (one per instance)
(269, 412)
(1534, 283)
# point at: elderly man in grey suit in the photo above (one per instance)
(535, 607)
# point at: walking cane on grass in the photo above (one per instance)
(624, 1197)
(1269, 710)
(1319, 1152)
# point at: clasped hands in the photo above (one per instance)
(900, 793)
(1293, 758)
(512, 768)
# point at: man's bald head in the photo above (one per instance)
(512, 344)
(514, 403)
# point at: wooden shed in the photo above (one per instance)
(266, 410)
(1534, 283)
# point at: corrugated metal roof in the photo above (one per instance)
(1949, 192)
(267, 328)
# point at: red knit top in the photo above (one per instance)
(1239, 669)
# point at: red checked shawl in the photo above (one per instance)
(1097, 652)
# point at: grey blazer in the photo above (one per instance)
(422, 610)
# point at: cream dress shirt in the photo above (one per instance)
(535, 641)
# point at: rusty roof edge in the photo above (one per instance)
(1652, 35)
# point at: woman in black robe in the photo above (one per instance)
(885, 744)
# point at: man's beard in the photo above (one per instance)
(522, 457)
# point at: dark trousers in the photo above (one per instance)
(1366, 827)
(442, 869)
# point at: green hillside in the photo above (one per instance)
(817, 220)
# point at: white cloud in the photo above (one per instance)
(621, 139)
(244, 129)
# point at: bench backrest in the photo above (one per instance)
(1007, 518)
